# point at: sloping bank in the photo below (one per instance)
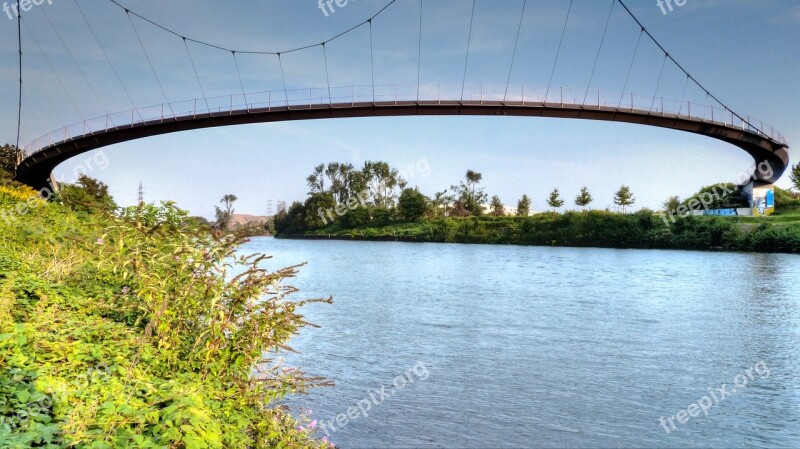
(130, 330)
(642, 230)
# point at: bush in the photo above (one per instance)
(137, 329)
(412, 205)
(356, 218)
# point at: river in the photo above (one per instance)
(501, 346)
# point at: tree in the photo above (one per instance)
(671, 204)
(717, 196)
(88, 194)
(498, 210)
(321, 210)
(412, 205)
(224, 215)
(441, 203)
(8, 160)
(584, 198)
(473, 179)
(624, 198)
(524, 206)
(382, 182)
(470, 196)
(555, 200)
(794, 176)
(316, 181)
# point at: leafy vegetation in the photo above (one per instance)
(794, 176)
(137, 328)
(584, 198)
(603, 229)
(624, 198)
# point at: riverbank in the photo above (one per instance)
(642, 230)
(123, 328)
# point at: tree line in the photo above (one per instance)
(376, 194)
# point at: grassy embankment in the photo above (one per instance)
(779, 233)
(127, 329)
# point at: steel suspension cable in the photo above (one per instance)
(419, 50)
(597, 58)
(241, 82)
(630, 69)
(55, 72)
(74, 61)
(149, 61)
(658, 84)
(372, 60)
(19, 109)
(283, 78)
(683, 95)
(469, 43)
(327, 74)
(196, 76)
(514, 53)
(558, 52)
(220, 47)
(105, 54)
(708, 93)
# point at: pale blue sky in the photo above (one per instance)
(745, 51)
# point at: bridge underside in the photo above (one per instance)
(35, 170)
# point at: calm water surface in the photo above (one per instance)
(548, 347)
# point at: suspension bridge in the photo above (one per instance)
(712, 118)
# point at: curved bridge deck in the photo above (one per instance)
(40, 158)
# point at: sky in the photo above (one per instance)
(744, 51)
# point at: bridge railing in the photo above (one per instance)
(445, 94)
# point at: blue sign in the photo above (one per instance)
(721, 212)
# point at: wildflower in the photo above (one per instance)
(99, 242)
(313, 424)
